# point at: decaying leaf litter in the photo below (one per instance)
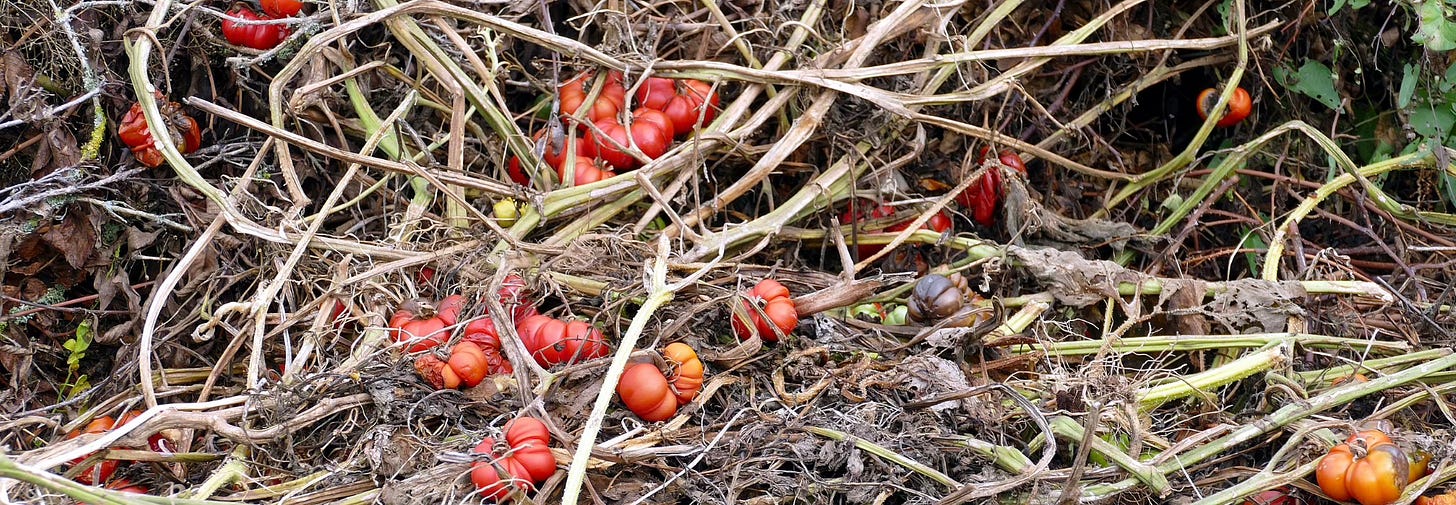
(1164, 310)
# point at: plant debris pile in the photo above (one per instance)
(437, 251)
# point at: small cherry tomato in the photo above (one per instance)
(281, 8)
(1368, 468)
(426, 327)
(645, 392)
(773, 298)
(1238, 106)
(260, 37)
(527, 461)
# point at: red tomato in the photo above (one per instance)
(482, 333)
(1368, 468)
(281, 8)
(426, 330)
(1277, 496)
(683, 101)
(100, 472)
(655, 118)
(648, 138)
(1238, 106)
(527, 463)
(554, 151)
(775, 302)
(156, 442)
(609, 102)
(125, 486)
(940, 223)
(586, 171)
(553, 341)
(984, 196)
(260, 37)
(514, 298)
(687, 375)
(644, 391)
(134, 132)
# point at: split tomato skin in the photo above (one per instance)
(1367, 468)
(983, 197)
(776, 304)
(687, 376)
(645, 392)
(136, 134)
(529, 461)
(260, 37)
(1239, 106)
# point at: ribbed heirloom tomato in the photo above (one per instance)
(1368, 468)
(585, 171)
(281, 8)
(869, 211)
(609, 102)
(658, 119)
(515, 298)
(482, 333)
(467, 366)
(553, 341)
(645, 392)
(773, 299)
(257, 36)
(683, 101)
(526, 462)
(647, 136)
(687, 374)
(424, 326)
(135, 133)
(1238, 107)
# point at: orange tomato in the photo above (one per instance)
(100, 472)
(1238, 106)
(783, 316)
(482, 333)
(645, 392)
(1440, 499)
(1367, 468)
(687, 377)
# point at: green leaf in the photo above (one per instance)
(1318, 82)
(1408, 85)
(1448, 188)
(1435, 31)
(1433, 121)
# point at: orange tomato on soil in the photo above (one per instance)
(687, 374)
(644, 390)
(1367, 468)
(1238, 107)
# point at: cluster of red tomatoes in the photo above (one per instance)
(101, 472)
(519, 464)
(616, 140)
(182, 129)
(260, 36)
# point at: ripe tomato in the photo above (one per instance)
(260, 37)
(185, 133)
(482, 333)
(648, 138)
(553, 341)
(984, 196)
(100, 472)
(585, 170)
(281, 8)
(868, 211)
(126, 486)
(1277, 496)
(644, 391)
(467, 366)
(683, 101)
(687, 376)
(428, 328)
(527, 462)
(554, 150)
(1368, 468)
(609, 102)
(783, 317)
(157, 442)
(514, 297)
(1238, 106)
(656, 118)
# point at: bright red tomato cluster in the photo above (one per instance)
(870, 211)
(260, 37)
(553, 342)
(983, 197)
(773, 299)
(183, 130)
(101, 472)
(525, 462)
(668, 109)
(655, 397)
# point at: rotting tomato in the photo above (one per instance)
(1440, 499)
(527, 460)
(1238, 106)
(257, 36)
(515, 298)
(584, 171)
(609, 102)
(869, 211)
(687, 374)
(467, 366)
(648, 138)
(983, 197)
(773, 298)
(1368, 468)
(281, 8)
(1420, 465)
(553, 341)
(183, 130)
(482, 333)
(684, 101)
(425, 326)
(644, 390)
(935, 297)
